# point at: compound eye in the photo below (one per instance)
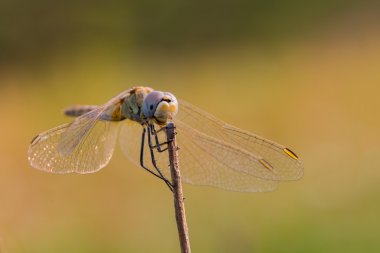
(151, 102)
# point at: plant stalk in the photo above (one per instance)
(179, 205)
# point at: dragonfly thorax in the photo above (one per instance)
(132, 105)
(144, 104)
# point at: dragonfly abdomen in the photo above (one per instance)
(78, 110)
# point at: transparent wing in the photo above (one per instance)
(82, 125)
(83, 146)
(239, 150)
(216, 154)
(92, 153)
(130, 142)
(197, 166)
(205, 160)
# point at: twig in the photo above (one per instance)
(179, 205)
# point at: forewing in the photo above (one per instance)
(82, 125)
(92, 153)
(213, 153)
(205, 160)
(197, 165)
(83, 146)
(269, 159)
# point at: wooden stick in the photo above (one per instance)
(179, 204)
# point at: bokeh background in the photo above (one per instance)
(303, 73)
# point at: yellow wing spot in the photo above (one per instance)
(290, 153)
(266, 164)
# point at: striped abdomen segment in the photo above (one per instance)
(78, 110)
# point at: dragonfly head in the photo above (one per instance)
(160, 106)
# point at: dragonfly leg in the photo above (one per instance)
(158, 145)
(159, 175)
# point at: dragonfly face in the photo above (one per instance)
(160, 106)
(212, 152)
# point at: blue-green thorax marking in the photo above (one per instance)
(131, 107)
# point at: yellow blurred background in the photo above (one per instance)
(303, 73)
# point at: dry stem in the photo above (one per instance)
(179, 205)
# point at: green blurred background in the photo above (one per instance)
(303, 73)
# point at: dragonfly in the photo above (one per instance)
(211, 152)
